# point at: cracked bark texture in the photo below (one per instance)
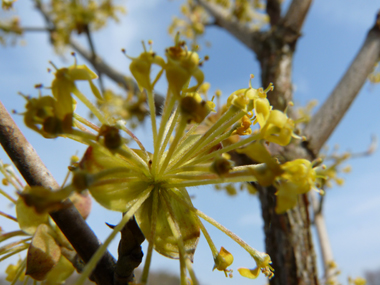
(288, 237)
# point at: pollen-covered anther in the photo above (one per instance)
(244, 128)
(112, 137)
(222, 166)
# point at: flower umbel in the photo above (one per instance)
(152, 185)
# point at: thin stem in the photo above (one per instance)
(6, 195)
(179, 132)
(226, 149)
(132, 135)
(209, 135)
(8, 217)
(212, 181)
(86, 122)
(14, 246)
(145, 273)
(15, 251)
(92, 47)
(254, 253)
(6, 236)
(170, 127)
(7, 176)
(90, 106)
(152, 114)
(169, 105)
(20, 270)
(211, 244)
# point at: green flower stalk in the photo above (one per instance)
(152, 185)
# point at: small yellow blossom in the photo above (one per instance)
(263, 262)
(357, 281)
(140, 68)
(12, 271)
(181, 66)
(223, 260)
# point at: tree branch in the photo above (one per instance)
(332, 111)
(273, 10)
(92, 47)
(68, 219)
(222, 17)
(102, 67)
(323, 238)
(296, 15)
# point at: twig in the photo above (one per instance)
(35, 29)
(324, 242)
(67, 219)
(296, 15)
(92, 47)
(222, 18)
(332, 111)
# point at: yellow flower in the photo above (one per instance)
(64, 85)
(140, 68)
(263, 262)
(223, 260)
(12, 272)
(152, 185)
(357, 281)
(298, 177)
(181, 66)
(278, 128)
(41, 238)
(40, 116)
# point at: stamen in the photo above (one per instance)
(75, 59)
(54, 66)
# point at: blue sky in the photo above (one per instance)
(332, 35)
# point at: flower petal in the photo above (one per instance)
(249, 273)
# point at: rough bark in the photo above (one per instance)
(288, 241)
(288, 236)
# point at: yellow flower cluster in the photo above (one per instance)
(152, 185)
(80, 16)
(50, 256)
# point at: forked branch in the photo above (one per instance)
(222, 17)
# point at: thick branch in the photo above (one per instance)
(222, 17)
(68, 219)
(296, 15)
(332, 111)
(273, 10)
